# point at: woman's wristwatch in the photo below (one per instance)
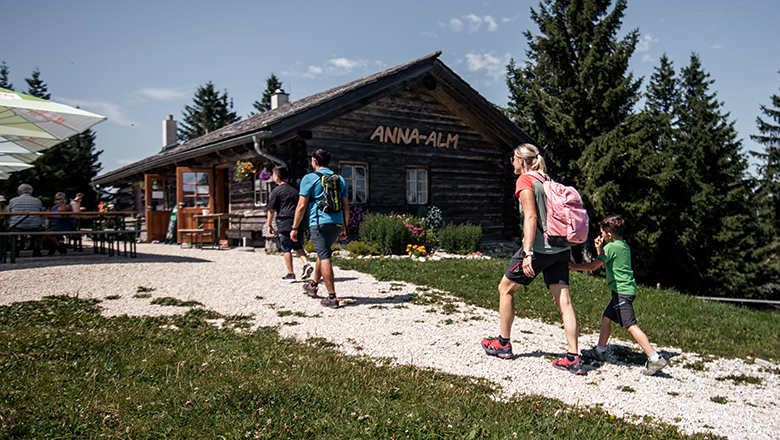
(527, 253)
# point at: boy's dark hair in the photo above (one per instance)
(282, 172)
(614, 224)
(322, 157)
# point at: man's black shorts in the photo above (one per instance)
(555, 268)
(621, 310)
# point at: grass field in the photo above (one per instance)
(69, 373)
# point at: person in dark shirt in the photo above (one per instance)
(281, 204)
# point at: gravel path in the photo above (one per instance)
(377, 320)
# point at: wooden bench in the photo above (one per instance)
(104, 241)
(199, 233)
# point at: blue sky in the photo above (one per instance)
(136, 62)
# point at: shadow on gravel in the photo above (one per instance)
(352, 301)
(90, 258)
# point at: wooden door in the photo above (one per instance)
(159, 200)
(194, 193)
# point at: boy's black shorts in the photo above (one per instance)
(555, 268)
(621, 310)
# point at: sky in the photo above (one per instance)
(136, 62)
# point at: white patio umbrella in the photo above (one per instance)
(30, 124)
(15, 162)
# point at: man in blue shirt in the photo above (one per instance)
(325, 227)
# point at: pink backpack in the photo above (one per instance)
(567, 219)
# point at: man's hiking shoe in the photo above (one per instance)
(311, 289)
(653, 367)
(594, 354)
(307, 270)
(333, 303)
(290, 277)
(494, 348)
(573, 367)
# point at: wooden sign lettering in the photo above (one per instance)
(396, 135)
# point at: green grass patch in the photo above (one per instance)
(696, 366)
(170, 301)
(742, 379)
(71, 373)
(142, 289)
(113, 297)
(719, 399)
(666, 316)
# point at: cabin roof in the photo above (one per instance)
(286, 121)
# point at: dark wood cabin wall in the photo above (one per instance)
(469, 184)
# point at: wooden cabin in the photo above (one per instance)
(413, 135)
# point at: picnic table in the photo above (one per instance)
(210, 225)
(107, 230)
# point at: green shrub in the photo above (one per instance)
(363, 248)
(460, 239)
(388, 231)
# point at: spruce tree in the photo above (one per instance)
(271, 85)
(4, 72)
(210, 111)
(768, 200)
(710, 194)
(574, 86)
(36, 87)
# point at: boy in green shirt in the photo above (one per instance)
(616, 256)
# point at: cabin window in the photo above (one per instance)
(356, 177)
(417, 186)
(262, 190)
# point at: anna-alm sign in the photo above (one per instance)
(396, 135)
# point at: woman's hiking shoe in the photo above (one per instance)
(494, 348)
(594, 354)
(290, 277)
(653, 367)
(311, 289)
(573, 367)
(333, 303)
(307, 270)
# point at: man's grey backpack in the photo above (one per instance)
(331, 193)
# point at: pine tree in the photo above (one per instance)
(272, 84)
(210, 111)
(36, 87)
(768, 200)
(4, 72)
(574, 87)
(710, 194)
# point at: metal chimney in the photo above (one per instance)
(169, 132)
(279, 98)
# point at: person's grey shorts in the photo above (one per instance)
(286, 243)
(323, 237)
(621, 310)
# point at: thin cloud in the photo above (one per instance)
(647, 59)
(508, 19)
(162, 94)
(333, 67)
(493, 66)
(643, 45)
(126, 160)
(717, 46)
(475, 22)
(113, 112)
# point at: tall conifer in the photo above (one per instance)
(4, 72)
(271, 84)
(36, 87)
(210, 111)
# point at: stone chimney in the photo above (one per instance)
(279, 98)
(169, 133)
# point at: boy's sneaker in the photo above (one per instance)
(653, 367)
(290, 277)
(573, 367)
(494, 348)
(307, 270)
(311, 288)
(333, 303)
(594, 354)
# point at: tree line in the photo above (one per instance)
(674, 168)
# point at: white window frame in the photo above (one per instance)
(413, 185)
(261, 192)
(351, 180)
